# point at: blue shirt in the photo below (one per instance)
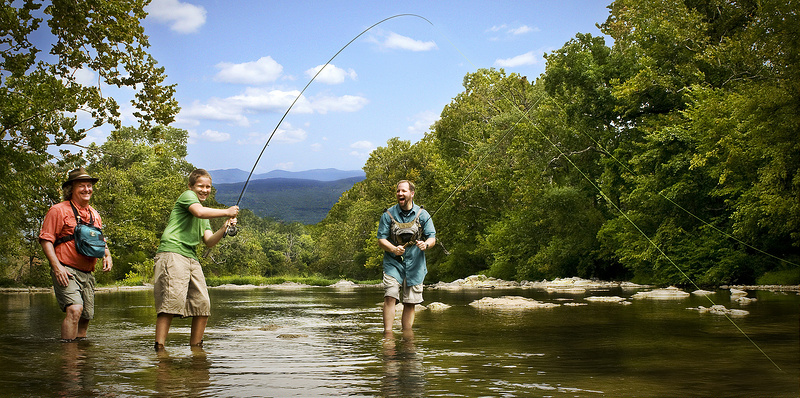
(410, 267)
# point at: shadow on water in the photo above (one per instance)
(329, 342)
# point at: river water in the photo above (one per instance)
(317, 342)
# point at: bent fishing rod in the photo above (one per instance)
(232, 230)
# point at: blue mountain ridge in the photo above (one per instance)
(228, 176)
(290, 199)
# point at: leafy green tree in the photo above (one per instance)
(41, 97)
(142, 172)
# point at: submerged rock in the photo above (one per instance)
(291, 336)
(701, 292)
(669, 293)
(344, 284)
(437, 306)
(605, 299)
(744, 300)
(476, 282)
(719, 310)
(511, 303)
(737, 293)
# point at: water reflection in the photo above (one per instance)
(328, 343)
(77, 375)
(183, 376)
(403, 374)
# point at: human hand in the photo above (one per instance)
(62, 276)
(398, 250)
(422, 245)
(107, 262)
(233, 211)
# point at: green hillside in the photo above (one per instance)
(287, 199)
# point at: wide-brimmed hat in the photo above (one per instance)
(78, 174)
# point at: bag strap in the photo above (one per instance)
(70, 237)
(78, 217)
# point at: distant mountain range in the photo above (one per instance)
(303, 196)
(228, 176)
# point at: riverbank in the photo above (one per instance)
(559, 285)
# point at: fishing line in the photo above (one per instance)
(727, 235)
(308, 84)
(608, 200)
(232, 229)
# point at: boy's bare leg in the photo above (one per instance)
(163, 321)
(198, 329)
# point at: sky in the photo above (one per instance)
(239, 64)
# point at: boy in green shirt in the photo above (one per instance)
(180, 286)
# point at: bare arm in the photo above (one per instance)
(201, 211)
(62, 276)
(211, 239)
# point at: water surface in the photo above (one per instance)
(271, 342)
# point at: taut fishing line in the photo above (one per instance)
(608, 200)
(308, 84)
(232, 229)
(524, 115)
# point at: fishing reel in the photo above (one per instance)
(232, 230)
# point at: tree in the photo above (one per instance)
(41, 96)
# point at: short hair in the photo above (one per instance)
(411, 186)
(197, 173)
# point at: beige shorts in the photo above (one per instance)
(411, 294)
(179, 286)
(79, 291)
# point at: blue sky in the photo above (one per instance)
(238, 65)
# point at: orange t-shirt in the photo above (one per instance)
(60, 221)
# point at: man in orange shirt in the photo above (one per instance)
(73, 282)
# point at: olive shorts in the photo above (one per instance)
(79, 291)
(179, 286)
(411, 294)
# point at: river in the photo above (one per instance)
(325, 341)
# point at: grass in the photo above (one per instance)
(784, 277)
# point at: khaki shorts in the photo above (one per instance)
(179, 286)
(411, 294)
(79, 291)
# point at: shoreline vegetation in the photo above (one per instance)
(573, 285)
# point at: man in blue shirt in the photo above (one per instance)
(405, 231)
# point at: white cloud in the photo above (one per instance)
(237, 109)
(288, 135)
(511, 31)
(345, 103)
(85, 77)
(520, 30)
(215, 109)
(284, 166)
(316, 147)
(265, 70)
(181, 17)
(525, 59)
(396, 41)
(215, 136)
(361, 149)
(362, 145)
(331, 74)
(422, 122)
(263, 100)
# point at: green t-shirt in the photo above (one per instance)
(184, 231)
